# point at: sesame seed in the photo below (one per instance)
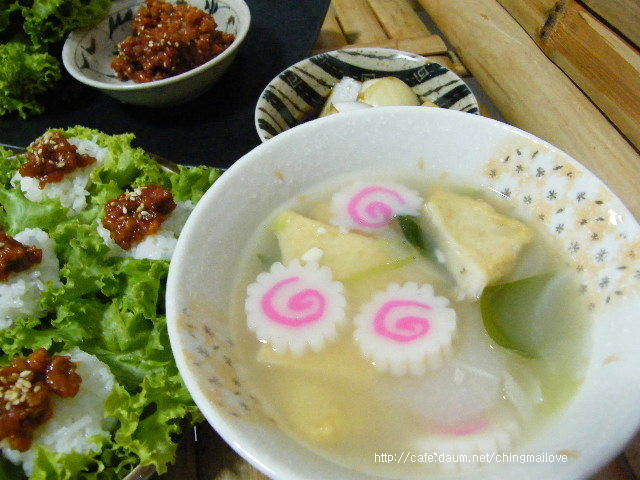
(22, 384)
(25, 373)
(37, 388)
(124, 210)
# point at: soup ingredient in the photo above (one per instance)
(168, 40)
(371, 206)
(387, 91)
(76, 423)
(51, 157)
(26, 386)
(30, 33)
(414, 234)
(482, 437)
(526, 315)
(341, 361)
(295, 308)
(135, 214)
(348, 254)
(479, 244)
(312, 410)
(59, 168)
(524, 392)
(465, 388)
(22, 287)
(405, 329)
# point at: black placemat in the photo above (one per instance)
(215, 129)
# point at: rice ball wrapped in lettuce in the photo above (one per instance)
(76, 423)
(109, 307)
(58, 167)
(28, 263)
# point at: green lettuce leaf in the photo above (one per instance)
(150, 437)
(9, 164)
(19, 213)
(191, 183)
(26, 72)
(49, 21)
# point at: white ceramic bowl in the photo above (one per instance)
(547, 186)
(87, 55)
(298, 93)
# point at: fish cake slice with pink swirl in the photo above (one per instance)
(405, 329)
(370, 207)
(295, 308)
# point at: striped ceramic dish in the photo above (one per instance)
(298, 93)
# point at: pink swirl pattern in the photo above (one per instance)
(303, 307)
(367, 209)
(406, 328)
(468, 428)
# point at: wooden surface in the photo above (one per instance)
(530, 92)
(601, 63)
(533, 93)
(382, 23)
(624, 15)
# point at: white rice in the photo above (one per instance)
(75, 420)
(20, 293)
(72, 190)
(158, 246)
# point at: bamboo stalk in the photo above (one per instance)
(358, 21)
(398, 19)
(601, 63)
(330, 36)
(425, 45)
(533, 94)
(623, 15)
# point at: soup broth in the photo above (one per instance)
(513, 359)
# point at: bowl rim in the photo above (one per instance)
(413, 56)
(226, 425)
(242, 9)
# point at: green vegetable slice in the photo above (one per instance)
(414, 234)
(523, 315)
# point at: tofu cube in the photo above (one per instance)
(480, 245)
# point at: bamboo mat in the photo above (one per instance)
(612, 25)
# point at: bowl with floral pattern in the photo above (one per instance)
(87, 55)
(538, 183)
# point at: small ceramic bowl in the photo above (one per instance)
(87, 55)
(573, 208)
(298, 93)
